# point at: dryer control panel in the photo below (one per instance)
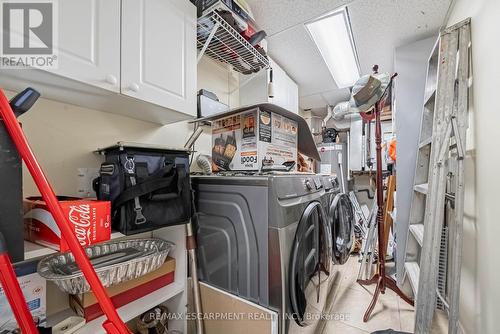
(317, 182)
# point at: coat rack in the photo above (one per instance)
(380, 278)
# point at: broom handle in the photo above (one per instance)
(113, 325)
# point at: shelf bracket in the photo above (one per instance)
(207, 42)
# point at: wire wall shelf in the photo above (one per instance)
(217, 39)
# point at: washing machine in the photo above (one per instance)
(266, 239)
(340, 216)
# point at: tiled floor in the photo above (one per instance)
(350, 300)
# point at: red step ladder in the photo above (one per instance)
(114, 324)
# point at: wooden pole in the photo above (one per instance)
(388, 208)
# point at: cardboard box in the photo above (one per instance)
(242, 316)
(34, 288)
(251, 139)
(86, 306)
(91, 220)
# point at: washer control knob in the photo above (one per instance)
(308, 184)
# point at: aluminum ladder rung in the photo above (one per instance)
(422, 188)
(413, 273)
(417, 230)
(425, 142)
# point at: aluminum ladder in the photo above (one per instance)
(439, 179)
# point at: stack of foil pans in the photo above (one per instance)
(114, 262)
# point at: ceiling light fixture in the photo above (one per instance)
(332, 35)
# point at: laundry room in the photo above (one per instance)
(248, 166)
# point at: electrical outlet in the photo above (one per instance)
(85, 177)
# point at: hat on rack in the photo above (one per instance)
(367, 91)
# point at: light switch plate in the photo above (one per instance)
(85, 177)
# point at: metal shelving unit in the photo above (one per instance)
(220, 41)
(173, 295)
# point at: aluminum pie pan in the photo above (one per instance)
(115, 262)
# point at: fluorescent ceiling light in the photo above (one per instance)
(333, 37)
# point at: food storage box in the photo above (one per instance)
(253, 140)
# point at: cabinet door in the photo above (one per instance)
(279, 84)
(159, 53)
(89, 42)
(286, 93)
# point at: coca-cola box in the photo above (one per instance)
(90, 220)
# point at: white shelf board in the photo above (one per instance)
(135, 308)
(32, 250)
(127, 312)
(116, 235)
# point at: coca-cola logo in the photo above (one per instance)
(79, 216)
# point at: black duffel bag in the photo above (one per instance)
(149, 188)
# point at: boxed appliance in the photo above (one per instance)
(240, 12)
(86, 306)
(34, 289)
(209, 104)
(253, 139)
(91, 221)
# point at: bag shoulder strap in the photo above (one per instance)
(151, 184)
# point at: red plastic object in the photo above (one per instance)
(8, 279)
(114, 324)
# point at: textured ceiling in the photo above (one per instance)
(378, 27)
(275, 16)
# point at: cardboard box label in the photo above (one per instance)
(251, 139)
(34, 289)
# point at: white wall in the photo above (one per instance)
(63, 136)
(480, 291)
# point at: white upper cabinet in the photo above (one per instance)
(136, 58)
(280, 86)
(89, 42)
(286, 92)
(159, 52)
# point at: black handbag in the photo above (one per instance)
(149, 188)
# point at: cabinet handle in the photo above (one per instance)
(111, 79)
(133, 87)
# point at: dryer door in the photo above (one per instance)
(310, 257)
(342, 226)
